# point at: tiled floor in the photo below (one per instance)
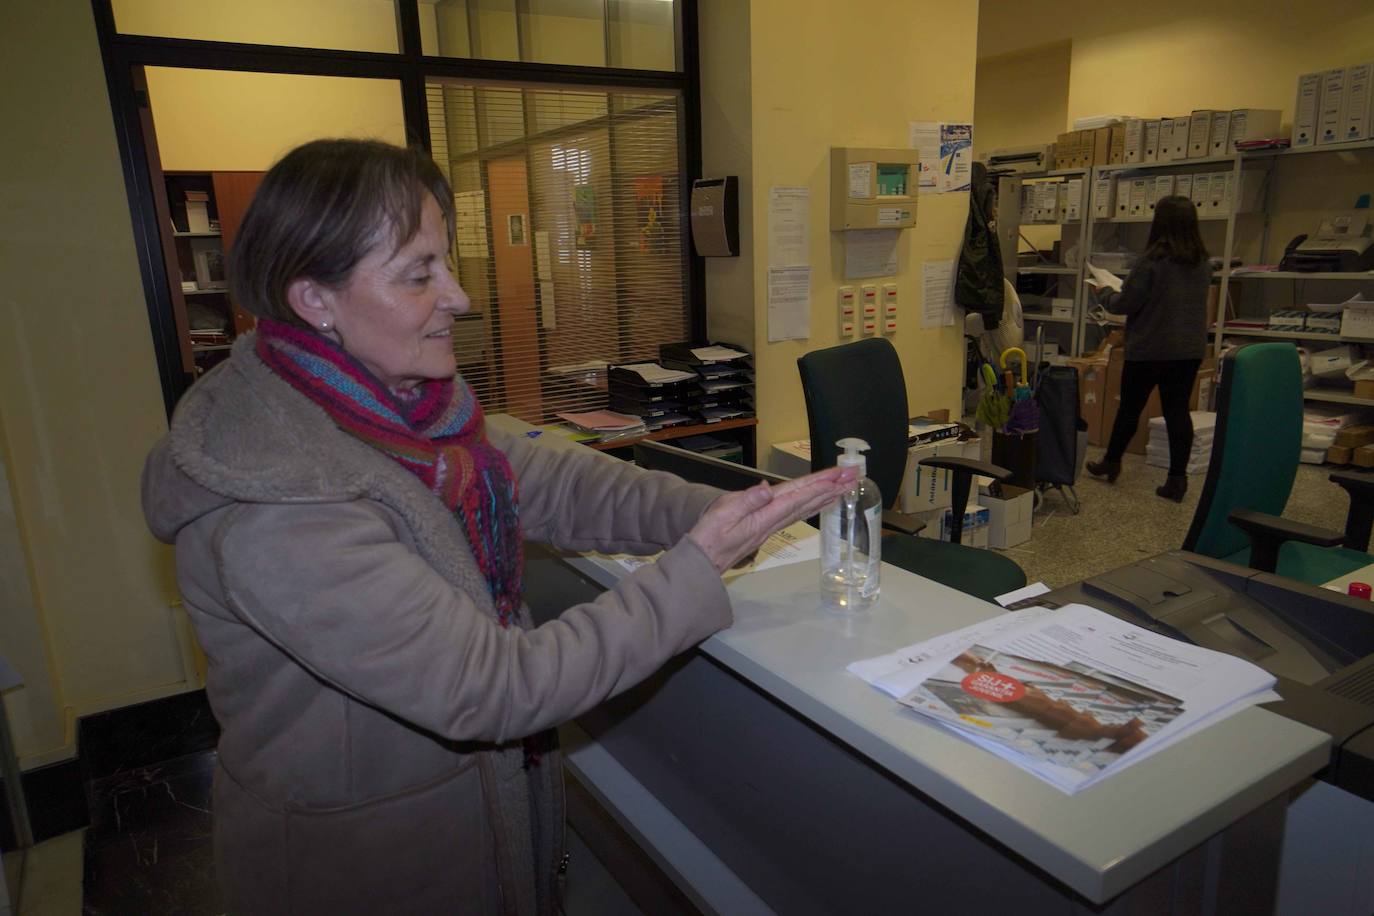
(52, 877)
(148, 849)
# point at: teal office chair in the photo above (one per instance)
(1254, 461)
(858, 389)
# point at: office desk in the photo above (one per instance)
(811, 792)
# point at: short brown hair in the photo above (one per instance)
(321, 209)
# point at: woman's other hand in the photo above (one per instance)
(738, 523)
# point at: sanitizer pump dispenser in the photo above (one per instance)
(851, 540)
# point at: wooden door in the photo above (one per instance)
(233, 192)
(508, 191)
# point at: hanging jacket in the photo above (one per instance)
(978, 282)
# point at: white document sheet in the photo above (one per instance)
(788, 226)
(789, 303)
(1075, 694)
(925, 136)
(870, 253)
(937, 301)
(655, 374)
(1098, 278)
(717, 354)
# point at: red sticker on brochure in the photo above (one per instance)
(993, 686)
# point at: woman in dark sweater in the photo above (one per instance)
(1165, 303)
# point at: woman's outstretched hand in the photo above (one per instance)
(738, 523)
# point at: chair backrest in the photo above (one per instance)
(1255, 447)
(715, 472)
(857, 389)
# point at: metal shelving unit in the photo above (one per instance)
(1266, 159)
(1009, 212)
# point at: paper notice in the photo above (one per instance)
(788, 220)
(543, 259)
(870, 253)
(925, 136)
(956, 157)
(861, 179)
(548, 306)
(789, 303)
(470, 224)
(937, 301)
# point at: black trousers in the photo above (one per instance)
(1175, 380)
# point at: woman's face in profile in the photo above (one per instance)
(395, 313)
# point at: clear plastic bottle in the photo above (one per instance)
(851, 540)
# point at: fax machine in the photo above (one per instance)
(1341, 245)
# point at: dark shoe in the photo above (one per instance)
(1174, 488)
(1104, 468)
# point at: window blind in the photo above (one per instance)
(569, 238)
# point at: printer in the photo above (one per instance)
(1319, 644)
(1341, 245)
(1017, 159)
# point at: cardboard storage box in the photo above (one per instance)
(923, 488)
(1357, 322)
(1354, 436)
(1363, 457)
(974, 533)
(791, 459)
(1332, 363)
(1092, 396)
(1364, 388)
(1339, 455)
(1009, 516)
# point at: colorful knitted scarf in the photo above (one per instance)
(437, 433)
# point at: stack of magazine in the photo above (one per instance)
(1071, 694)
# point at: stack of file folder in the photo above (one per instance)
(724, 376)
(656, 395)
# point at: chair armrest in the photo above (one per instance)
(902, 522)
(972, 465)
(1360, 519)
(1268, 532)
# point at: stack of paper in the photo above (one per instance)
(606, 424)
(1157, 447)
(1070, 695)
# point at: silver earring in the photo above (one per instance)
(324, 326)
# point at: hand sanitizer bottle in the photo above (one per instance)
(851, 540)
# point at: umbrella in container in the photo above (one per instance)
(1024, 415)
(993, 406)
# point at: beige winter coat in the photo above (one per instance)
(372, 708)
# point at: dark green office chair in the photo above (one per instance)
(858, 389)
(1254, 462)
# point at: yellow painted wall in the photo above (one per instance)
(1226, 54)
(1021, 97)
(354, 25)
(79, 398)
(727, 148)
(1172, 57)
(216, 120)
(809, 91)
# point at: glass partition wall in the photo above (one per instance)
(568, 129)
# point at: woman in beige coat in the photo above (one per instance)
(348, 535)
